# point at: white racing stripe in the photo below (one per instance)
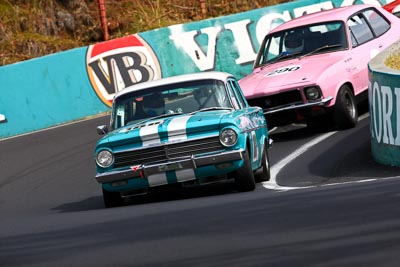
(272, 184)
(149, 134)
(177, 128)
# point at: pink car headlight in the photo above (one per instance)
(312, 93)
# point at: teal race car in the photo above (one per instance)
(191, 129)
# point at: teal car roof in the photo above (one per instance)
(215, 75)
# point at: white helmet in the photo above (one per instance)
(294, 42)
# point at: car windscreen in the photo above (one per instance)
(301, 41)
(178, 98)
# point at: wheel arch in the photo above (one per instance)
(251, 148)
(336, 91)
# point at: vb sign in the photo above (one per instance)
(119, 63)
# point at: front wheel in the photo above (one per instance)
(345, 113)
(264, 173)
(244, 177)
(112, 199)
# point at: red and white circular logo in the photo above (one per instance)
(116, 64)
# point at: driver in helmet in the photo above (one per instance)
(153, 105)
(294, 42)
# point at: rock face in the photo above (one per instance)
(31, 29)
(64, 16)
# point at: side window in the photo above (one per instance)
(377, 22)
(360, 31)
(273, 48)
(232, 96)
(120, 115)
(236, 88)
(353, 40)
(269, 50)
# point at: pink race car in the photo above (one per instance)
(316, 66)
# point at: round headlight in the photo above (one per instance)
(228, 137)
(104, 158)
(312, 93)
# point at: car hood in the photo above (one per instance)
(163, 130)
(289, 73)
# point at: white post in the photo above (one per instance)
(2, 118)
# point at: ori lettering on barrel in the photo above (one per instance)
(385, 113)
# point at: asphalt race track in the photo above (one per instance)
(327, 204)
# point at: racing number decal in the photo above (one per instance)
(283, 70)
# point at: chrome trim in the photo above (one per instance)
(188, 163)
(168, 152)
(164, 144)
(112, 155)
(255, 128)
(297, 106)
(229, 128)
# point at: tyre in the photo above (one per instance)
(345, 113)
(264, 173)
(244, 177)
(112, 199)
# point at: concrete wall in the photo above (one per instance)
(384, 101)
(78, 83)
(45, 92)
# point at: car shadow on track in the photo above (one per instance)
(91, 203)
(294, 132)
(320, 126)
(96, 202)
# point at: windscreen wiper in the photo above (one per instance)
(156, 117)
(211, 108)
(279, 57)
(321, 48)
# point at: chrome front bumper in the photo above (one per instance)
(189, 163)
(322, 102)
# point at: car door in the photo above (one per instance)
(369, 34)
(380, 27)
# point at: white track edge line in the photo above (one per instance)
(272, 184)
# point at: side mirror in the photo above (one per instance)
(270, 142)
(102, 130)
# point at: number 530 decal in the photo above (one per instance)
(283, 70)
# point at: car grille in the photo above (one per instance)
(277, 100)
(159, 154)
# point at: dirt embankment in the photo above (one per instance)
(34, 28)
